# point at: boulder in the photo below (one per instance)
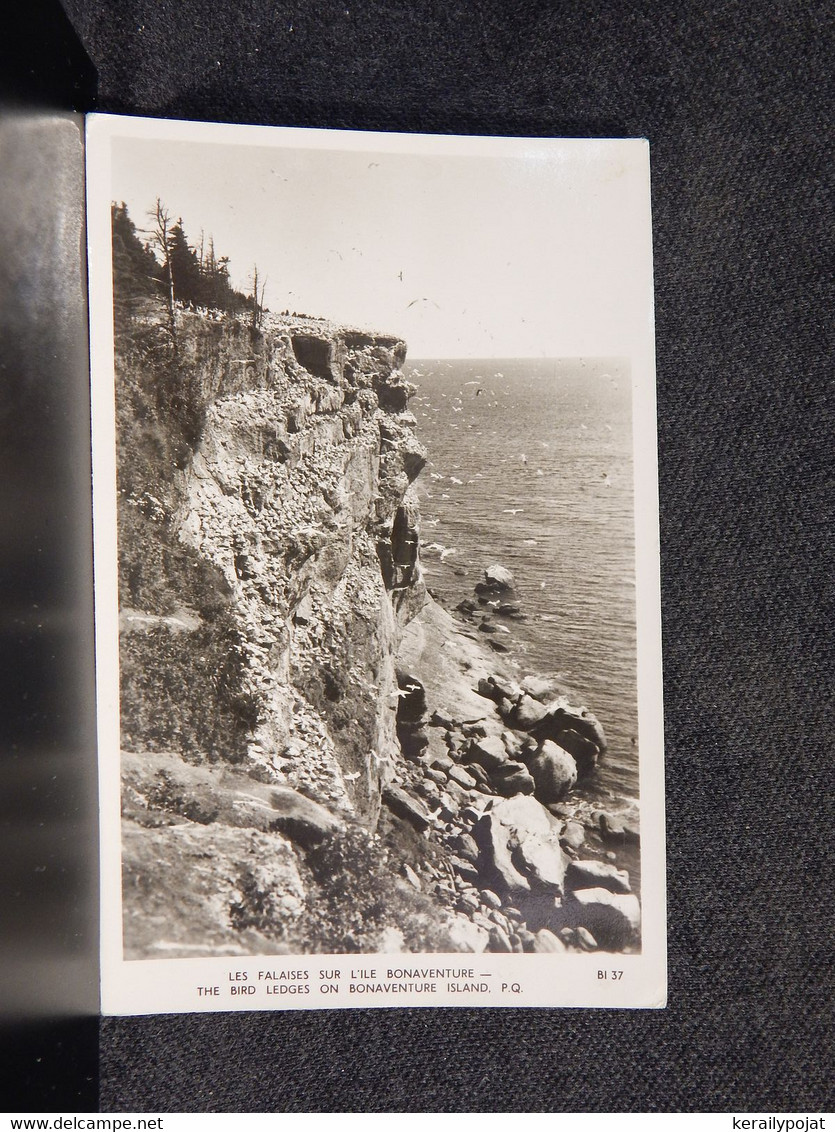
(519, 847)
(542, 688)
(573, 835)
(505, 688)
(441, 762)
(465, 846)
(561, 717)
(546, 942)
(614, 919)
(586, 940)
(528, 713)
(449, 807)
(465, 869)
(407, 807)
(475, 729)
(457, 793)
(615, 829)
(429, 790)
(480, 775)
(488, 751)
(467, 936)
(482, 921)
(495, 917)
(467, 902)
(462, 777)
(499, 940)
(512, 778)
(528, 940)
(505, 707)
(554, 772)
(454, 741)
(542, 861)
(512, 744)
(583, 751)
(498, 577)
(597, 874)
(495, 843)
(488, 689)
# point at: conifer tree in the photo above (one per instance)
(185, 267)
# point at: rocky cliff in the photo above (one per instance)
(316, 756)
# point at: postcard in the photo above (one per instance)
(377, 574)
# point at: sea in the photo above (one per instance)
(530, 466)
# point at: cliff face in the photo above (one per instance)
(268, 566)
(300, 493)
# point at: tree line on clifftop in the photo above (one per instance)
(166, 269)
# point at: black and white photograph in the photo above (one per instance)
(377, 595)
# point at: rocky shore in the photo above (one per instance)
(316, 755)
(489, 769)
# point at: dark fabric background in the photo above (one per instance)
(733, 98)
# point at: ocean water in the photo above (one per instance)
(530, 466)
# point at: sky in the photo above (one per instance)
(534, 249)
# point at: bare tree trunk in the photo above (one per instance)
(257, 300)
(160, 238)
